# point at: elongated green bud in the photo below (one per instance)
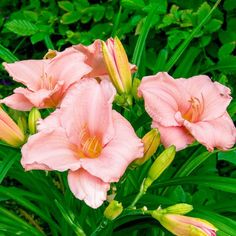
(34, 116)
(159, 166)
(113, 210)
(151, 141)
(136, 83)
(22, 123)
(180, 209)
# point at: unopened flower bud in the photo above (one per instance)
(184, 225)
(113, 210)
(9, 131)
(136, 83)
(151, 141)
(34, 116)
(50, 54)
(117, 65)
(180, 209)
(159, 166)
(22, 123)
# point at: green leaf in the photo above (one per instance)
(14, 220)
(213, 25)
(7, 163)
(70, 219)
(229, 156)
(161, 60)
(70, 17)
(227, 65)
(137, 5)
(229, 5)
(226, 50)
(66, 5)
(219, 183)
(140, 45)
(21, 27)
(7, 55)
(186, 63)
(203, 11)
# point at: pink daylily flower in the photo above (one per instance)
(46, 81)
(184, 225)
(191, 109)
(86, 137)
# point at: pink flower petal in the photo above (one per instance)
(172, 135)
(17, 102)
(27, 72)
(219, 133)
(88, 105)
(124, 147)
(88, 188)
(68, 66)
(49, 150)
(94, 58)
(163, 97)
(216, 97)
(51, 122)
(36, 98)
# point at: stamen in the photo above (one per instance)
(91, 145)
(195, 110)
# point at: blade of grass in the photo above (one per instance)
(138, 51)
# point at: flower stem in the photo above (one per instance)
(139, 195)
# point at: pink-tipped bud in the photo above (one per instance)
(9, 131)
(117, 65)
(184, 225)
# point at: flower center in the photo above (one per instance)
(194, 111)
(46, 82)
(91, 145)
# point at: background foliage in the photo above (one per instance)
(183, 37)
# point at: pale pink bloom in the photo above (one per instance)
(191, 109)
(95, 59)
(46, 81)
(86, 137)
(184, 225)
(9, 131)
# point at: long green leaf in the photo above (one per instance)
(220, 183)
(7, 163)
(14, 221)
(6, 55)
(138, 51)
